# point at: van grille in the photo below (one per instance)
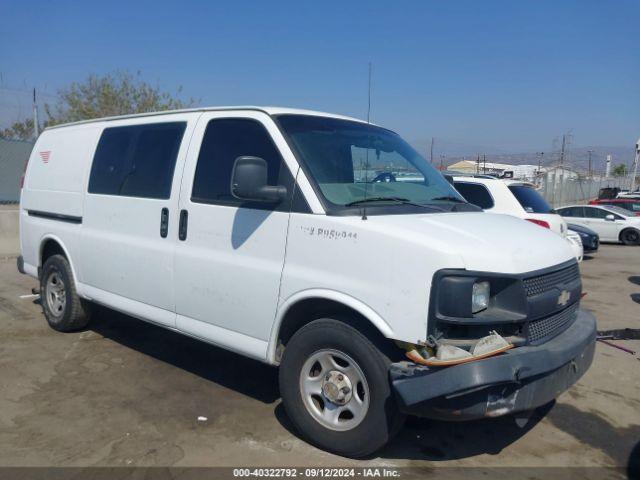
(544, 283)
(546, 328)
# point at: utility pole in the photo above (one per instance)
(431, 156)
(540, 155)
(369, 97)
(484, 163)
(478, 164)
(538, 175)
(35, 116)
(590, 152)
(441, 163)
(634, 170)
(564, 142)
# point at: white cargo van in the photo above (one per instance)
(318, 243)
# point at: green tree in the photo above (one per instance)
(118, 93)
(619, 170)
(19, 130)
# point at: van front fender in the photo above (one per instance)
(323, 294)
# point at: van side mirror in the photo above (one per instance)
(610, 218)
(249, 181)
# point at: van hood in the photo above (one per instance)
(482, 241)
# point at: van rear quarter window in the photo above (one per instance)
(137, 160)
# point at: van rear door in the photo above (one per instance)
(230, 253)
(130, 215)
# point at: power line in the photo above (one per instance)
(28, 91)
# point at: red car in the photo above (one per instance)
(631, 204)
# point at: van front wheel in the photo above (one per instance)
(335, 388)
(62, 307)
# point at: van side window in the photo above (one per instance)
(137, 160)
(475, 193)
(225, 140)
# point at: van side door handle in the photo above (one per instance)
(164, 222)
(182, 229)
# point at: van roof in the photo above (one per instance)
(267, 110)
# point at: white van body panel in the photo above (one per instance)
(54, 183)
(58, 167)
(392, 283)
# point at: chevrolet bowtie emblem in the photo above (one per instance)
(564, 298)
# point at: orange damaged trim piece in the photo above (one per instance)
(415, 357)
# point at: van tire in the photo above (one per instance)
(630, 236)
(382, 419)
(63, 309)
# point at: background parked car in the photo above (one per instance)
(612, 224)
(516, 198)
(510, 197)
(627, 194)
(630, 204)
(590, 239)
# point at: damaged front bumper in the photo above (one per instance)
(520, 379)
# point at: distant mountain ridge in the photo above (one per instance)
(575, 157)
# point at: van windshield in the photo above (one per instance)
(354, 163)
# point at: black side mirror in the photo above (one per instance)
(249, 181)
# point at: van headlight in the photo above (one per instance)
(479, 296)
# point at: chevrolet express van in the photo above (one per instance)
(317, 243)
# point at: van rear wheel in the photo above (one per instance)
(335, 389)
(62, 307)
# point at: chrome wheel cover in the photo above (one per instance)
(55, 293)
(334, 390)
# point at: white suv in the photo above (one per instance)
(519, 199)
(314, 242)
(511, 197)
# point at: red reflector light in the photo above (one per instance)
(583, 294)
(542, 223)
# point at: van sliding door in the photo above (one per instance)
(131, 215)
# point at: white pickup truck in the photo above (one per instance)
(317, 243)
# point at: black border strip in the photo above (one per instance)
(55, 216)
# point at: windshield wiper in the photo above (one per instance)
(450, 198)
(400, 200)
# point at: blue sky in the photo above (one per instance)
(493, 75)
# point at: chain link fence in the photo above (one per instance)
(13, 159)
(561, 190)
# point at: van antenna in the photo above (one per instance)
(366, 165)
